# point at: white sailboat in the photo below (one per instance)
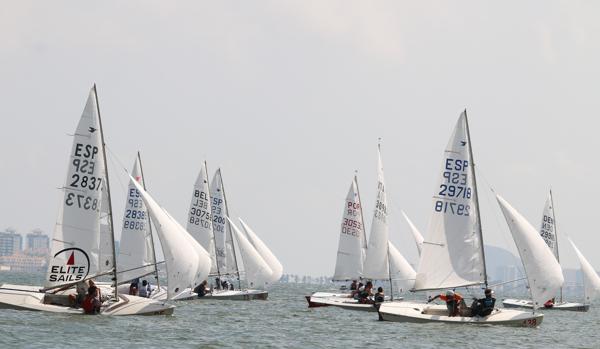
(225, 251)
(548, 232)
(452, 254)
(264, 252)
(83, 241)
(351, 248)
(591, 280)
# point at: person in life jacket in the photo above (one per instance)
(366, 293)
(453, 301)
(353, 285)
(145, 290)
(549, 303)
(91, 304)
(379, 296)
(201, 289)
(484, 306)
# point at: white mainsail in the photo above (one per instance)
(452, 254)
(224, 250)
(200, 218)
(136, 253)
(187, 262)
(544, 274)
(264, 252)
(416, 233)
(401, 272)
(352, 243)
(591, 281)
(548, 227)
(376, 263)
(76, 244)
(257, 271)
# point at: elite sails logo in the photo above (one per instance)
(76, 268)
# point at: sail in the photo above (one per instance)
(76, 243)
(401, 272)
(416, 233)
(264, 252)
(199, 217)
(136, 252)
(257, 271)
(591, 281)
(543, 271)
(452, 254)
(186, 261)
(376, 263)
(548, 227)
(351, 246)
(223, 243)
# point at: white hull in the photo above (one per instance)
(160, 293)
(22, 297)
(237, 295)
(345, 303)
(422, 312)
(528, 304)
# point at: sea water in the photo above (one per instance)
(283, 321)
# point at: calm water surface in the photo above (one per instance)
(283, 321)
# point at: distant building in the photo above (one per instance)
(38, 244)
(10, 243)
(23, 263)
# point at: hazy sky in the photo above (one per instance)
(290, 97)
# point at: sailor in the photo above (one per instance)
(379, 296)
(549, 303)
(367, 292)
(353, 285)
(133, 287)
(453, 301)
(145, 290)
(484, 306)
(356, 293)
(201, 289)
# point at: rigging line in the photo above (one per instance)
(495, 215)
(114, 157)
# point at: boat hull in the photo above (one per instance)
(314, 300)
(424, 313)
(236, 295)
(527, 304)
(20, 297)
(341, 301)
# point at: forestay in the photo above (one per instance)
(186, 261)
(264, 252)
(76, 244)
(200, 218)
(544, 274)
(401, 272)
(548, 227)
(376, 262)
(591, 281)
(352, 244)
(452, 254)
(136, 253)
(257, 271)
(416, 233)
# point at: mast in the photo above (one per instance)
(476, 198)
(112, 229)
(556, 240)
(237, 268)
(362, 220)
(213, 231)
(149, 224)
(390, 272)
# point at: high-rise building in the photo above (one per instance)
(10, 243)
(37, 243)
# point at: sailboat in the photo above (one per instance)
(452, 254)
(266, 254)
(352, 247)
(549, 232)
(591, 280)
(218, 236)
(83, 243)
(137, 253)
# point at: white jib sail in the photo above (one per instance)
(376, 263)
(401, 272)
(199, 223)
(416, 233)
(265, 253)
(136, 256)
(186, 261)
(452, 254)
(351, 246)
(219, 225)
(548, 227)
(75, 251)
(257, 271)
(544, 274)
(591, 281)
